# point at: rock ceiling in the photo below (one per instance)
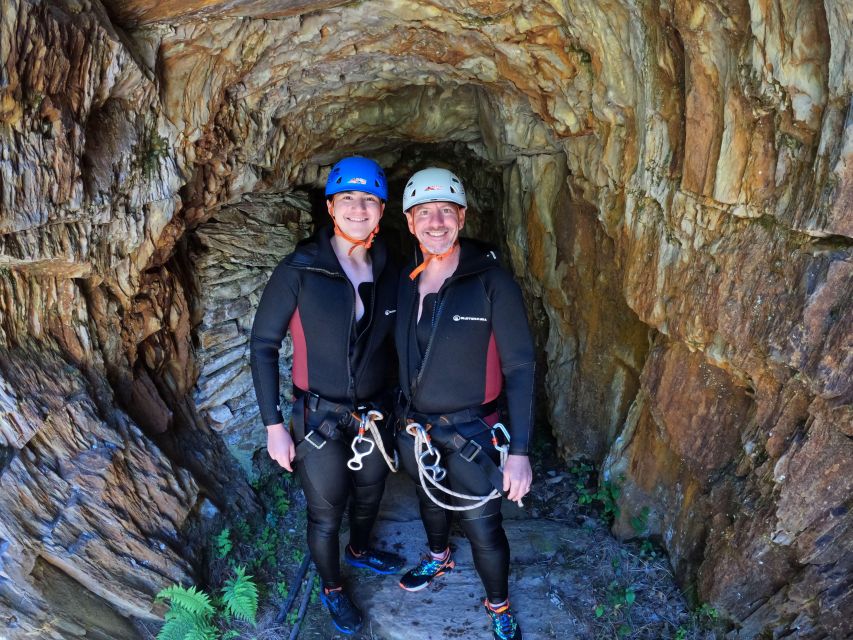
(675, 194)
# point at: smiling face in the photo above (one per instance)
(436, 225)
(357, 213)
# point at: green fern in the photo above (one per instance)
(183, 625)
(191, 600)
(240, 596)
(223, 543)
(189, 615)
(177, 627)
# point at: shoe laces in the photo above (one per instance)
(429, 566)
(503, 621)
(338, 601)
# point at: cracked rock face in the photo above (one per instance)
(672, 184)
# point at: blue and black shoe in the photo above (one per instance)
(346, 616)
(504, 624)
(377, 561)
(428, 568)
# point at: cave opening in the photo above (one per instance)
(232, 254)
(669, 182)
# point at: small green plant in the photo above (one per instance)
(707, 611)
(192, 615)
(150, 150)
(240, 596)
(640, 522)
(242, 529)
(619, 600)
(281, 504)
(281, 589)
(223, 543)
(315, 591)
(647, 549)
(607, 495)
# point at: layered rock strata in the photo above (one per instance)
(677, 203)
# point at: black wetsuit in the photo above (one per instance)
(471, 343)
(338, 364)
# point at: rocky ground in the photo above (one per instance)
(569, 579)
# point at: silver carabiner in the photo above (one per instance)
(500, 447)
(355, 463)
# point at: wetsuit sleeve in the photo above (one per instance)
(515, 347)
(272, 318)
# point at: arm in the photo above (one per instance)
(515, 346)
(272, 317)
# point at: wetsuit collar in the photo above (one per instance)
(326, 259)
(475, 257)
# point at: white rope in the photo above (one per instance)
(434, 473)
(367, 423)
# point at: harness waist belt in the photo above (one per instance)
(313, 402)
(328, 429)
(470, 451)
(457, 417)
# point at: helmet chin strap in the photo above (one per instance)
(429, 257)
(366, 243)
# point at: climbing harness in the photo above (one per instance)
(431, 471)
(367, 423)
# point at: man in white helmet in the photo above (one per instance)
(463, 343)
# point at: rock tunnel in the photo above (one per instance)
(670, 183)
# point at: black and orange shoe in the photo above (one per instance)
(428, 569)
(504, 624)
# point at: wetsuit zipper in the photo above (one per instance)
(436, 314)
(350, 377)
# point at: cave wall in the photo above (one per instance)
(677, 205)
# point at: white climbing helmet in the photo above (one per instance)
(434, 185)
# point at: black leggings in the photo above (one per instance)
(328, 483)
(483, 526)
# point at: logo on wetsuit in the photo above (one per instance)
(475, 318)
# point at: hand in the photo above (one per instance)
(280, 445)
(517, 477)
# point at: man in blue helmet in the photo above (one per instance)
(466, 365)
(336, 294)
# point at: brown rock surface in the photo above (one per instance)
(676, 173)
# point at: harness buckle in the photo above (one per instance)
(476, 449)
(312, 443)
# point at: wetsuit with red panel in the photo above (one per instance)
(339, 364)
(470, 350)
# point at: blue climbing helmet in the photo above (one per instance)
(357, 174)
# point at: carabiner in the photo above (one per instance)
(499, 427)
